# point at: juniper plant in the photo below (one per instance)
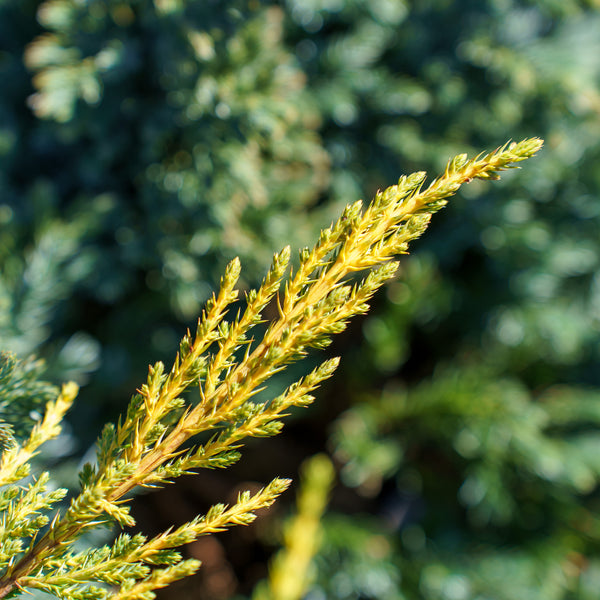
(152, 444)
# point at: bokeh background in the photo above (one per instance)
(144, 143)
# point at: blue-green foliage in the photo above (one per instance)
(486, 476)
(168, 139)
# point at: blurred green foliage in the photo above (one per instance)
(152, 161)
(143, 143)
(485, 474)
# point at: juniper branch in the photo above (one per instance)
(147, 448)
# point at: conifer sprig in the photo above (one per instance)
(150, 445)
(14, 462)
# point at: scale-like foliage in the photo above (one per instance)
(149, 447)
